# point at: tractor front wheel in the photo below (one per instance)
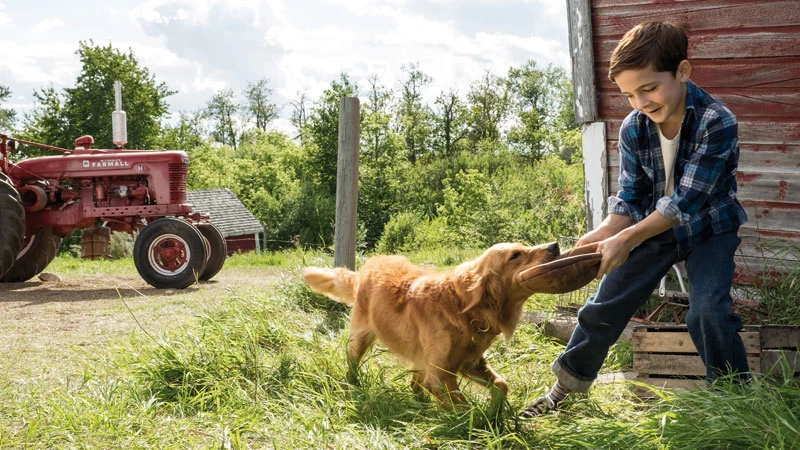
(12, 224)
(219, 249)
(170, 253)
(39, 250)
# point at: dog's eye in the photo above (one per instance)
(515, 255)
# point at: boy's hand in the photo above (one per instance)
(615, 251)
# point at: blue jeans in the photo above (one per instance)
(711, 323)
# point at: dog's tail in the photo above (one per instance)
(339, 284)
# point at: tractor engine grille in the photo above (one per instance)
(177, 182)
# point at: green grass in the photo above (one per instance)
(266, 369)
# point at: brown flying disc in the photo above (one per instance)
(570, 271)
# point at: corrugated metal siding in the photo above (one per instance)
(747, 54)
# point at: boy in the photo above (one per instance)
(677, 201)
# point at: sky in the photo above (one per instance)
(199, 47)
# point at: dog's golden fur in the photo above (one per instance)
(441, 322)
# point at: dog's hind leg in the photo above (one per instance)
(360, 342)
(483, 374)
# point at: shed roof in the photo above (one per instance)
(226, 211)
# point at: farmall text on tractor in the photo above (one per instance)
(45, 199)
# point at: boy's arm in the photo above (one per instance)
(635, 185)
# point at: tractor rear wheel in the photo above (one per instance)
(219, 249)
(39, 250)
(170, 253)
(12, 224)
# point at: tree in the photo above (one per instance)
(59, 118)
(299, 116)
(186, 134)
(542, 101)
(413, 116)
(7, 116)
(257, 106)
(221, 111)
(450, 124)
(382, 163)
(323, 129)
(488, 106)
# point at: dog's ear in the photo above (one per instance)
(480, 289)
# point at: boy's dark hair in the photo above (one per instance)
(662, 44)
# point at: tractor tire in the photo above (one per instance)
(170, 253)
(39, 250)
(12, 224)
(219, 249)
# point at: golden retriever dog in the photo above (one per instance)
(441, 322)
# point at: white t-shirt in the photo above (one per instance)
(669, 149)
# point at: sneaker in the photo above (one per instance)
(539, 407)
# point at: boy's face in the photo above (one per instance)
(659, 95)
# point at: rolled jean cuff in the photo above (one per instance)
(570, 381)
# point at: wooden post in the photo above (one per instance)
(579, 16)
(347, 183)
(595, 172)
(593, 132)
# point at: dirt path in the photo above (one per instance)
(46, 326)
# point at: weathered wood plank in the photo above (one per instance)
(752, 157)
(750, 131)
(703, 15)
(775, 361)
(737, 74)
(760, 104)
(740, 45)
(579, 17)
(773, 337)
(766, 186)
(644, 340)
(678, 365)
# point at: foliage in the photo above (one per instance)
(58, 118)
(542, 105)
(323, 132)
(7, 116)
(775, 283)
(486, 202)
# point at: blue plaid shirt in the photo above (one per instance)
(704, 202)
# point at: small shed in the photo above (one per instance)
(744, 52)
(242, 231)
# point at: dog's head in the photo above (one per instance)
(495, 274)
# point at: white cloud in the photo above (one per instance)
(4, 18)
(198, 47)
(40, 63)
(47, 25)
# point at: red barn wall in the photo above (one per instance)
(241, 244)
(747, 54)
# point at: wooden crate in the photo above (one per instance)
(780, 349)
(665, 357)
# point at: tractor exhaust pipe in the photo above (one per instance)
(118, 122)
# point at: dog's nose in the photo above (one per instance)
(553, 247)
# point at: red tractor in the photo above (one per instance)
(45, 199)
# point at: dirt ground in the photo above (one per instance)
(48, 328)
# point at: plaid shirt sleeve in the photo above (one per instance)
(635, 186)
